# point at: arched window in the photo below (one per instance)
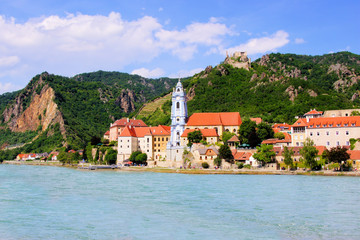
(177, 105)
(178, 90)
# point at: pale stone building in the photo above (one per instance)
(209, 135)
(118, 126)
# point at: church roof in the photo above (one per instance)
(215, 119)
(204, 132)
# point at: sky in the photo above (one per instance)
(163, 38)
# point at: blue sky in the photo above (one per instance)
(163, 38)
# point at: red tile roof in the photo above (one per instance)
(234, 139)
(314, 112)
(160, 130)
(275, 140)
(128, 122)
(204, 132)
(354, 154)
(215, 119)
(107, 133)
(257, 120)
(296, 150)
(353, 121)
(241, 156)
(301, 122)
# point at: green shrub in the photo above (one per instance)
(205, 165)
(240, 165)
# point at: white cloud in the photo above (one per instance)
(7, 87)
(144, 72)
(186, 73)
(77, 43)
(263, 44)
(299, 40)
(9, 61)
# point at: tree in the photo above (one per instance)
(264, 154)
(133, 155)
(338, 155)
(226, 136)
(96, 155)
(88, 151)
(225, 153)
(355, 113)
(279, 135)
(287, 154)
(247, 128)
(95, 140)
(141, 159)
(308, 153)
(217, 161)
(111, 156)
(194, 137)
(264, 131)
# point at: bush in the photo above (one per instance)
(205, 165)
(240, 165)
(248, 166)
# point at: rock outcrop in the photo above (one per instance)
(41, 109)
(126, 100)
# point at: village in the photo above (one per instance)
(168, 146)
(174, 146)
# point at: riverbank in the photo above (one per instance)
(261, 171)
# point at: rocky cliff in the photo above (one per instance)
(34, 108)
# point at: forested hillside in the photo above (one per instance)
(67, 112)
(278, 87)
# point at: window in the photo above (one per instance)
(317, 126)
(337, 132)
(148, 140)
(311, 126)
(347, 143)
(327, 143)
(311, 134)
(128, 140)
(318, 133)
(347, 132)
(178, 90)
(154, 139)
(162, 139)
(338, 125)
(324, 125)
(337, 143)
(177, 105)
(330, 125)
(353, 124)
(128, 146)
(345, 124)
(327, 133)
(296, 137)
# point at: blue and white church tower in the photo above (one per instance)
(174, 150)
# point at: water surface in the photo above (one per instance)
(40, 202)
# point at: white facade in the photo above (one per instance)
(174, 150)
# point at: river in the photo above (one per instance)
(44, 202)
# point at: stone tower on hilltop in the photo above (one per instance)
(178, 121)
(238, 60)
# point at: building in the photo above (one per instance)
(223, 121)
(329, 132)
(209, 135)
(340, 113)
(149, 140)
(296, 153)
(107, 135)
(118, 126)
(174, 150)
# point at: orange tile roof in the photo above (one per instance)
(335, 121)
(107, 133)
(204, 132)
(234, 139)
(354, 154)
(275, 140)
(241, 156)
(296, 150)
(128, 122)
(215, 119)
(313, 112)
(300, 123)
(160, 130)
(257, 120)
(281, 125)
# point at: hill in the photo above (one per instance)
(277, 87)
(67, 112)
